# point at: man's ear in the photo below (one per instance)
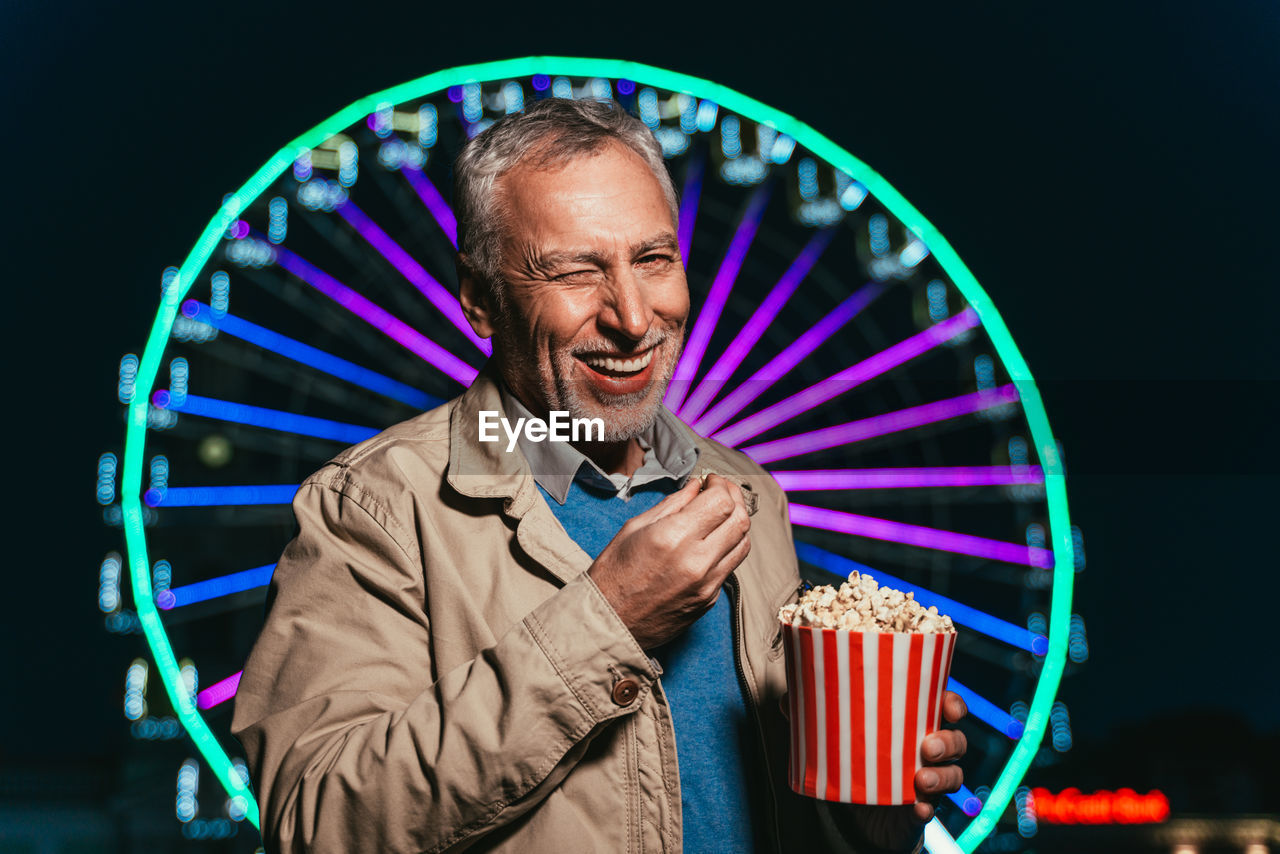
(474, 295)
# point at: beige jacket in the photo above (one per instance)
(438, 672)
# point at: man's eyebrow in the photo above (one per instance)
(666, 240)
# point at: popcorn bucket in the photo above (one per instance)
(861, 703)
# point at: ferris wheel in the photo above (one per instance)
(836, 339)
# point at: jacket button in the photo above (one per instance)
(625, 692)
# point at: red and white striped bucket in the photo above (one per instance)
(861, 703)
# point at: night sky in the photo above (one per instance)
(1108, 174)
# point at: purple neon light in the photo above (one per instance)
(780, 364)
(689, 199)
(878, 425)
(413, 271)
(760, 320)
(219, 692)
(919, 535)
(709, 315)
(435, 202)
(377, 317)
(907, 478)
(839, 383)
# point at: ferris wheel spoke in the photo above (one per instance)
(221, 496)
(215, 588)
(417, 275)
(690, 196)
(907, 478)
(709, 314)
(259, 416)
(851, 377)
(920, 536)
(755, 327)
(439, 208)
(966, 800)
(964, 615)
(305, 354)
(793, 355)
(880, 425)
(328, 315)
(986, 711)
(378, 317)
(219, 692)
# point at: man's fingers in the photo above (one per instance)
(932, 783)
(945, 745)
(729, 561)
(673, 503)
(953, 708)
(713, 506)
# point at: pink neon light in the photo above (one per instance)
(839, 383)
(377, 317)
(780, 364)
(427, 284)
(878, 425)
(219, 692)
(907, 478)
(755, 327)
(435, 202)
(919, 535)
(689, 199)
(709, 315)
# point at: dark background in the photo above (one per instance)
(1107, 171)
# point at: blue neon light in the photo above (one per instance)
(968, 802)
(223, 585)
(308, 355)
(220, 496)
(987, 711)
(271, 419)
(963, 614)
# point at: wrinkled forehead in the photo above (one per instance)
(555, 162)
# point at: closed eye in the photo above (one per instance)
(575, 274)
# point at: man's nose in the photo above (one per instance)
(625, 309)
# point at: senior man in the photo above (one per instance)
(523, 646)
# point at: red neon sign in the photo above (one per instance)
(1123, 806)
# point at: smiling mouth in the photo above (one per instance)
(617, 367)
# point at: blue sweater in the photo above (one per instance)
(699, 679)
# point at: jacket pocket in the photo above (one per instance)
(773, 637)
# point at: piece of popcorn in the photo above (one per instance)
(861, 605)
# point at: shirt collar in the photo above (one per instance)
(669, 453)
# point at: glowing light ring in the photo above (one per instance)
(1033, 409)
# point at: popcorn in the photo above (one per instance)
(862, 605)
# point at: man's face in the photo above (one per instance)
(596, 298)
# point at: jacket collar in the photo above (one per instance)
(487, 470)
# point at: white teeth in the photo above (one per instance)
(624, 366)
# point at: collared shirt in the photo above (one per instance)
(668, 453)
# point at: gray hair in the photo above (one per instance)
(551, 132)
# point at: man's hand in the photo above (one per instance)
(940, 750)
(664, 568)
(897, 828)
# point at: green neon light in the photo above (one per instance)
(1033, 408)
